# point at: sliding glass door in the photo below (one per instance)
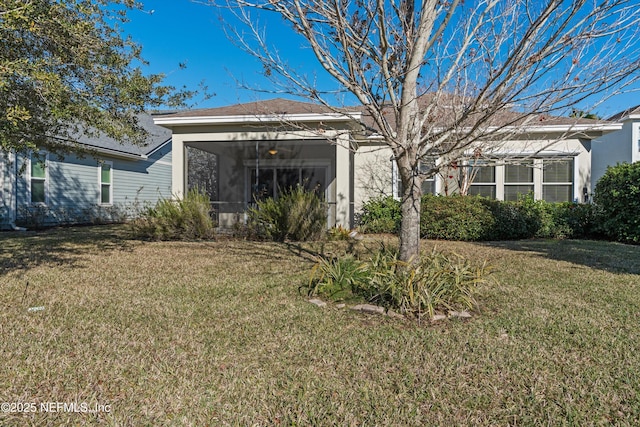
(271, 180)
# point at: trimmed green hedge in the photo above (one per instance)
(473, 218)
(380, 215)
(618, 196)
(455, 218)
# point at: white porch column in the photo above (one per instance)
(343, 182)
(178, 166)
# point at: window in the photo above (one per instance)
(518, 180)
(484, 181)
(38, 178)
(550, 179)
(428, 185)
(557, 180)
(106, 181)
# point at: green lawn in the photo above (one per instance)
(216, 333)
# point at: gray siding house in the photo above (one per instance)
(109, 182)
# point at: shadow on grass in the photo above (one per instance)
(61, 246)
(608, 256)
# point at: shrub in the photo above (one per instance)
(455, 218)
(582, 219)
(435, 283)
(337, 278)
(380, 215)
(617, 196)
(297, 215)
(339, 233)
(477, 218)
(512, 220)
(169, 219)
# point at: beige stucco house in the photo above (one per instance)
(621, 146)
(262, 147)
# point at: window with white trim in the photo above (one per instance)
(518, 180)
(550, 179)
(557, 180)
(106, 182)
(428, 184)
(38, 178)
(484, 181)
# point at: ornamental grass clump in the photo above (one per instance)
(297, 214)
(181, 219)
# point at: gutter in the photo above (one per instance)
(116, 153)
(271, 118)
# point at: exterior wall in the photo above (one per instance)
(139, 182)
(615, 147)
(635, 142)
(373, 173)
(73, 188)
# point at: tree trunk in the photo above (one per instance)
(410, 226)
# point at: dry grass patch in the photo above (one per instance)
(215, 333)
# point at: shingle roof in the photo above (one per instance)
(277, 106)
(441, 116)
(622, 114)
(157, 136)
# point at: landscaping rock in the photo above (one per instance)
(395, 315)
(318, 302)
(368, 308)
(460, 314)
(355, 235)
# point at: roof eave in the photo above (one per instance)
(543, 129)
(255, 119)
(115, 153)
(629, 117)
(588, 130)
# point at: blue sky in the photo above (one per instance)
(182, 31)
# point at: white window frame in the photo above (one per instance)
(506, 184)
(497, 183)
(574, 166)
(100, 183)
(45, 158)
(538, 177)
(396, 181)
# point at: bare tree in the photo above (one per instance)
(443, 78)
